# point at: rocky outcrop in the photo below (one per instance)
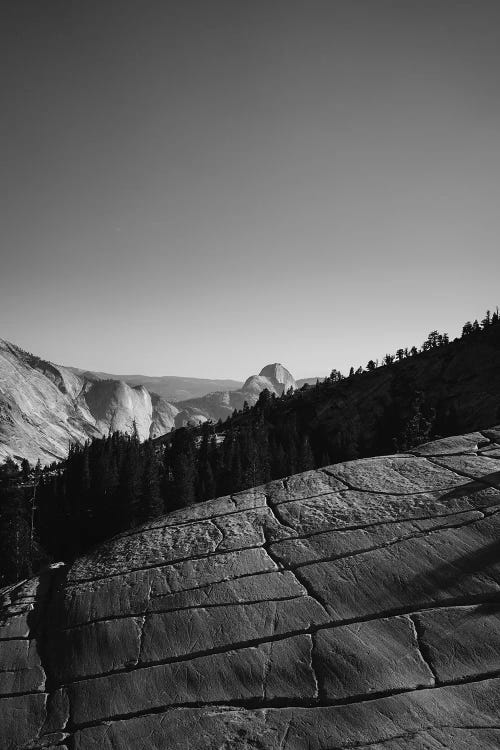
(45, 407)
(42, 407)
(275, 378)
(356, 606)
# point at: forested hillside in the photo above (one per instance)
(441, 388)
(114, 483)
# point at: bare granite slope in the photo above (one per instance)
(45, 407)
(356, 606)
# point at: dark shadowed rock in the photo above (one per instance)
(356, 606)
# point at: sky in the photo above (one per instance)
(202, 187)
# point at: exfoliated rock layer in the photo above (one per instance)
(356, 606)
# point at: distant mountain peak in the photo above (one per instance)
(277, 372)
(45, 407)
(275, 378)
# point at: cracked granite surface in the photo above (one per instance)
(357, 606)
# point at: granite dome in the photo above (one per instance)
(355, 606)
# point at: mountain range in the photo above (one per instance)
(170, 387)
(45, 407)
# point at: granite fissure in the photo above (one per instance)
(142, 622)
(306, 585)
(423, 650)
(345, 726)
(188, 608)
(350, 486)
(274, 569)
(222, 535)
(364, 745)
(170, 523)
(311, 630)
(391, 543)
(233, 646)
(389, 522)
(153, 566)
(285, 703)
(481, 479)
(278, 518)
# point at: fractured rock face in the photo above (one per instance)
(357, 606)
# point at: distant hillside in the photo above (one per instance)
(198, 400)
(45, 407)
(172, 388)
(306, 381)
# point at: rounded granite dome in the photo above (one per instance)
(279, 374)
(276, 378)
(351, 606)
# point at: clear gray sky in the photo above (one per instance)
(201, 187)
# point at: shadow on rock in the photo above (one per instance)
(43, 624)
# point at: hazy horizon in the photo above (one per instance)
(202, 188)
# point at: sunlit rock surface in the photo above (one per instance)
(357, 606)
(46, 407)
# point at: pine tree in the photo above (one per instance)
(418, 427)
(25, 470)
(206, 481)
(291, 443)
(236, 467)
(278, 460)
(152, 503)
(306, 456)
(130, 485)
(184, 480)
(183, 453)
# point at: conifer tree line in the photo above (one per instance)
(433, 341)
(115, 483)
(19, 553)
